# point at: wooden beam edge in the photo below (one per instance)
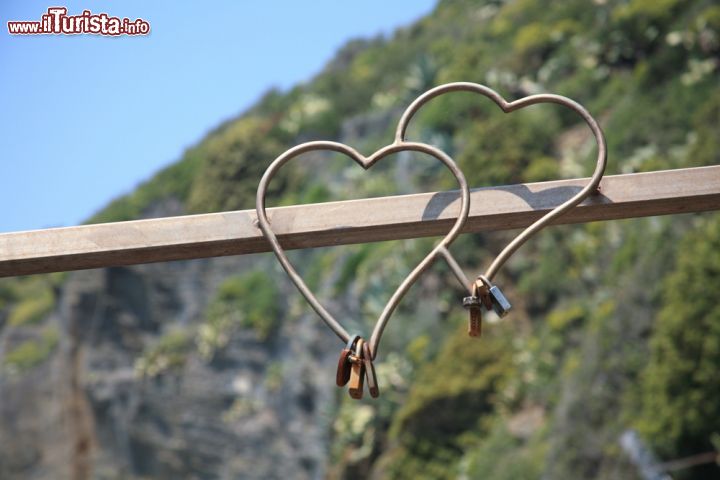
(353, 221)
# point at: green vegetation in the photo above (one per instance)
(591, 291)
(6, 293)
(168, 354)
(32, 309)
(274, 376)
(245, 301)
(234, 159)
(680, 387)
(31, 353)
(28, 300)
(501, 455)
(451, 396)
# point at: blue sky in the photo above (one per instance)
(84, 119)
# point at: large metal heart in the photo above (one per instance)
(440, 249)
(508, 107)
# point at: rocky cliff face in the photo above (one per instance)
(89, 413)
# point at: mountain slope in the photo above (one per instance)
(218, 369)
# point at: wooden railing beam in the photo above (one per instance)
(353, 221)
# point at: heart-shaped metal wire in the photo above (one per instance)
(440, 250)
(509, 107)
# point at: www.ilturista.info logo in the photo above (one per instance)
(57, 21)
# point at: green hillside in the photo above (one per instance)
(616, 325)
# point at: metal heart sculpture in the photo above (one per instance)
(508, 107)
(441, 249)
(365, 162)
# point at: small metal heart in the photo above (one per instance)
(509, 107)
(439, 251)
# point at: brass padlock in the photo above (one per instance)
(357, 371)
(342, 375)
(473, 304)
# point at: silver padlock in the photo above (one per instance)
(499, 303)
